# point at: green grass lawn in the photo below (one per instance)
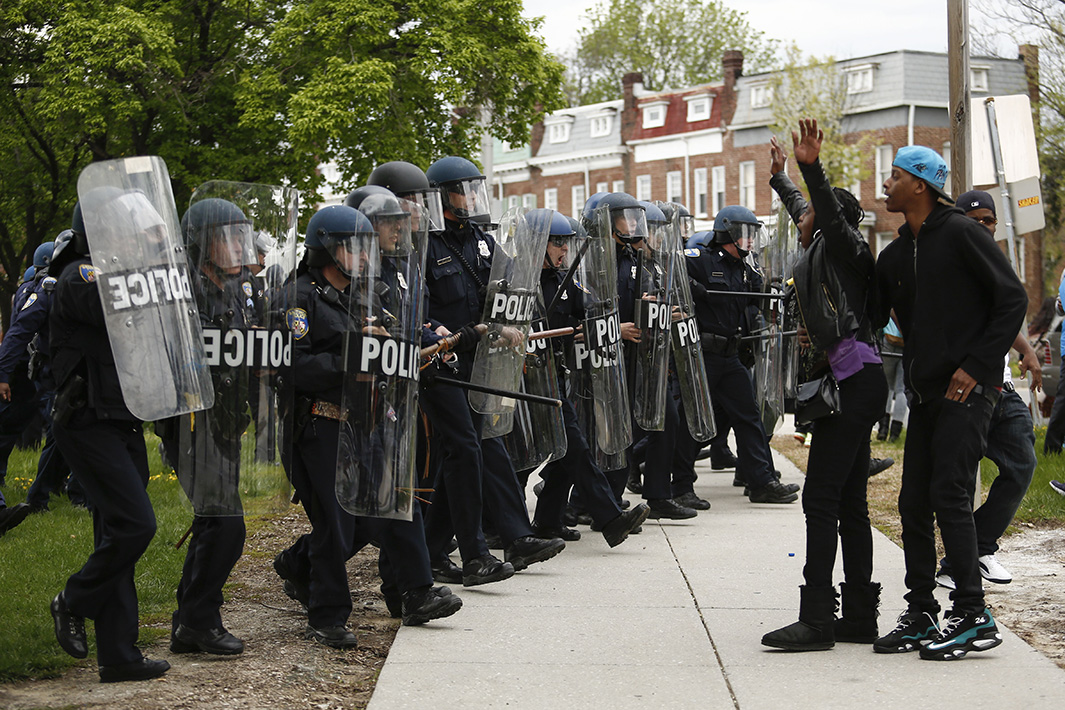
(37, 557)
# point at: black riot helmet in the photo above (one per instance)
(675, 211)
(408, 181)
(343, 236)
(628, 221)
(462, 186)
(390, 217)
(218, 233)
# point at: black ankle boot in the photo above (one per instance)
(814, 631)
(883, 427)
(857, 622)
(896, 432)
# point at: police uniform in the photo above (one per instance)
(30, 326)
(319, 323)
(104, 444)
(722, 321)
(217, 542)
(659, 445)
(472, 475)
(577, 468)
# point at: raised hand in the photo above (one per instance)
(807, 143)
(778, 157)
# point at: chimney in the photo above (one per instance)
(731, 70)
(631, 88)
(1030, 54)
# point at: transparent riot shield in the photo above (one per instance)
(786, 245)
(768, 254)
(653, 316)
(538, 433)
(149, 311)
(379, 406)
(688, 356)
(599, 355)
(509, 306)
(233, 232)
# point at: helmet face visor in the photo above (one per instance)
(629, 225)
(354, 253)
(231, 246)
(467, 198)
(748, 237)
(432, 210)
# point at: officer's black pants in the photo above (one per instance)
(109, 460)
(732, 391)
(834, 496)
(658, 453)
(214, 547)
(474, 475)
(576, 469)
(336, 535)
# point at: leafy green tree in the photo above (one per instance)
(673, 43)
(815, 88)
(362, 81)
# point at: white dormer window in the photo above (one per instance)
(699, 107)
(979, 79)
(654, 115)
(761, 95)
(602, 125)
(860, 79)
(508, 148)
(558, 128)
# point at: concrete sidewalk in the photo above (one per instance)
(673, 618)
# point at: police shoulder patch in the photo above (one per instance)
(29, 301)
(297, 322)
(691, 252)
(247, 288)
(88, 273)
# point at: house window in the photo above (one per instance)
(883, 239)
(551, 198)
(884, 155)
(747, 194)
(579, 198)
(558, 133)
(761, 95)
(513, 201)
(601, 126)
(979, 79)
(654, 115)
(643, 187)
(717, 180)
(700, 192)
(860, 79)
(698, 108)
(673, 187)
(602, 187)
(619, 186)
(528, 201)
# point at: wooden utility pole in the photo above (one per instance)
(960, 126)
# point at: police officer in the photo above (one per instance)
(104, 444)
(577, 468)
(475, 476)
(218, 240)
(722, 321)
(25, 346)
(338, 252)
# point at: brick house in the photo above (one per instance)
(707, 146)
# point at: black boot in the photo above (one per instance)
(882, 427)
(814, 629)
(857, 622)
(896, 431)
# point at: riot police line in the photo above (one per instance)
(537, 343)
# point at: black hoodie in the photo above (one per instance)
(957, 300)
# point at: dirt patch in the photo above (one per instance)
(1033, 605)
(278, 669)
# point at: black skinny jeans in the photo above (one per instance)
(834, 496)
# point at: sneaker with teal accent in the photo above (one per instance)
(915, 629)
(961, 633)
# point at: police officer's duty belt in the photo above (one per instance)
(320, 408)
(720, 344)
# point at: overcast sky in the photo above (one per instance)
(841, 28)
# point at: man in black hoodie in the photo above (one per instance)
(953, 368)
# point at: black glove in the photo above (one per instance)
(698, 290)
(468, 337)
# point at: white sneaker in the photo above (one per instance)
(943, 579)
(808, 440)
(992, 571)
(1058, 487)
